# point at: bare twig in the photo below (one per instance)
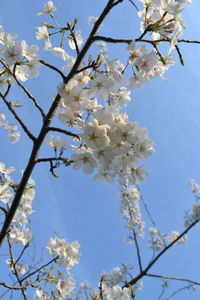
(172, 278)
(53, 68)
(22, 252)
(134, 5)
(137, 250)
(15, 269)
(39, 269)
(128, 41)
(180, 290)
(64, 131)
(12, 287)
(92, 65)
(3, 209)
(25, 128)
(179, 55)
(149, 215)
(51, 159)
(152, 262)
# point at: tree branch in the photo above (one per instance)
(137, 250)
(50, 159)
(39, 269)
(144, 272)
(12, 287)
(128, 41)
(13, 264)
(53, 68)
(64, 131)
(172, 278)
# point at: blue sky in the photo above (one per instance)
(76, 207)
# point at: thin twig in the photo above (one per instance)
(74, 39)
(25, 128)
(152, 262)
(53, 68)
(180, 290)
(64, 131)
(12, 287)
(134, 5)
(137, 250)
(179, 55)
(92, 65)
(39, 269)
(22, 252)
(172, 278)
(128, 41)
(150, 216)
(26, 91)
(14, 268)
(3, 209)
(48, 159)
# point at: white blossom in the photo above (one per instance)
(49, 8)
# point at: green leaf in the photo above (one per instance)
(15, 104)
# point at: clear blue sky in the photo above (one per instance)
(76, 207)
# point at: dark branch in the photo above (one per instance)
(15, 272)
(51, 159)
(53, 68)
(39, 269)
(144, 272)
(64, 131)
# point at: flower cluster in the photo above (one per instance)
(130, 210)
(18, 59)
(67, 253)
(14, 134)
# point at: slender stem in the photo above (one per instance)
(63, 131)
(150, 216)
(24, 89)
(15, 269)
(144, 272)
(50, 159)
(128, 41)
(12, 287)
(22, 252)
(39, 269)
(53, 68)
(25, 128)
(137, 250)
(3, 209)
(74, 40)
(172, 278)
